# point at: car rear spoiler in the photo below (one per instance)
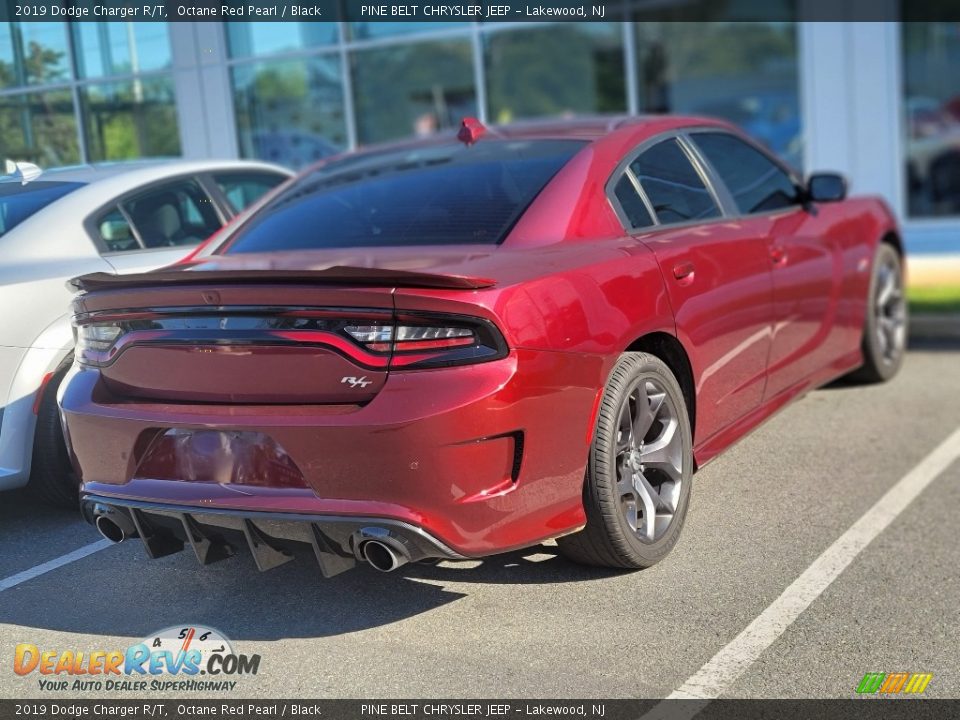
(338, 275)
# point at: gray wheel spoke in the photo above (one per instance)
(650, 499)
(899, 335)
(647, 409)
(669, 496)
(625, 481)
(882, 340)
(664, 453)
(888, 289)
(888, 326)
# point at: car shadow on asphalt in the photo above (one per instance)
(541, 565)
(120, 592)
(20, 507)
(917, 345)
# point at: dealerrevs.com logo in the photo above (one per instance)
(188, 658)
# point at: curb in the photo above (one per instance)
(935, 326)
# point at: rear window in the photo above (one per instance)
(18, 202)
(434, 195)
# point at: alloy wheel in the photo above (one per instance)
(649, 459)
(890, 312)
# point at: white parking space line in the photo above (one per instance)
(724, 668)
(38, 570)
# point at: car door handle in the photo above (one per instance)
(683, 271)
(778, 255)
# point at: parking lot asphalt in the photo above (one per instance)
(530, 624)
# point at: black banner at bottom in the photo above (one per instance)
(853, 709)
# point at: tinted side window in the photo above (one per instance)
(756, 183)
(243, 189)
(631, 204)
(178, 213)
(116, 233)
(673, 185)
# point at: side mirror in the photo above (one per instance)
(826, 187)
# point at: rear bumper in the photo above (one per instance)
(482, 458)
(270, 537)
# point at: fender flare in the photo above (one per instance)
(48, 351)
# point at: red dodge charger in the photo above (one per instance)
(459, 346)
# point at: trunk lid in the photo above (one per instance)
(239, 343)
(276, 328)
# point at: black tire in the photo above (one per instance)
(52, 478)
(609, 540)
(883, 356)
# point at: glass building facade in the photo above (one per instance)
(296, 92)
(303, 90)
(931, 87)
(86, 92)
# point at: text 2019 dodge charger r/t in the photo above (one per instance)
(455, 347)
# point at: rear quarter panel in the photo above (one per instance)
(567, 312)
(590, 298)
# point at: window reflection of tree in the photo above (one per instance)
(396, 86)
(131, 119)
(555, 71)
(36, 126)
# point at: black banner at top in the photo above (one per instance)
(478, 10)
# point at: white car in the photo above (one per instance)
(118, 218)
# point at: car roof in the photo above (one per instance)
(145, 170)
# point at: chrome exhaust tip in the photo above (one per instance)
(114, 524)
(110, 530)
(382, 557)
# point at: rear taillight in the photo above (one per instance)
(410, 338)
(410, 341)
(95, 341)
(431, 340)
